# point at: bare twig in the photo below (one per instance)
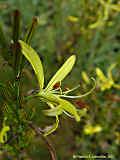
(39, 132)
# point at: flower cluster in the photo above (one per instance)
(103, 82)
(104, 13)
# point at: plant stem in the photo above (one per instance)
(49, 145)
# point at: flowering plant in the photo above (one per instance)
(53, 97)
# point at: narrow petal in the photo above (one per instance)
(62, 72)
(83, 95)
(85, 77)
(116, 7)
(64, 104)
(70, 108)
(101, 75)
(116, 86)
(54, 111)
(112, 66)
(53, 128)
(49, 98)
(34, 60)
(55, 125)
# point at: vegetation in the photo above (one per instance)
(83, 34)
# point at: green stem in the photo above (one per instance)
(29, 97)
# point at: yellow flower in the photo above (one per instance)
(85, 77)
(72, 19)
(117, 139)
(89, 129)
(52, 94)
(3, 132)
(108, 6)
(103, 15)
(99, 23)
(103, 82)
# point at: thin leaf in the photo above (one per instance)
(62, 72)
(16, 27)
(2, 85)
(34, 60)
(30, 31)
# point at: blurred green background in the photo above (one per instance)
(91, 30)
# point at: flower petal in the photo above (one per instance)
(85, 77)
(112, 66)
(34, 60)
(55, 125)
(83, 95)
(101, 75)
(62, 72)
(54, 111)
(53, 128)
(70, 108)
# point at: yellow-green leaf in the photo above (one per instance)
(62, 72)
(34, 60)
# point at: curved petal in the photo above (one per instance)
(101, 75)
(54, 111)
(70, 108)
(53, 128)
(34, 60)
(112, 66)
(62, 72)
(55, 125)
(83, 95)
